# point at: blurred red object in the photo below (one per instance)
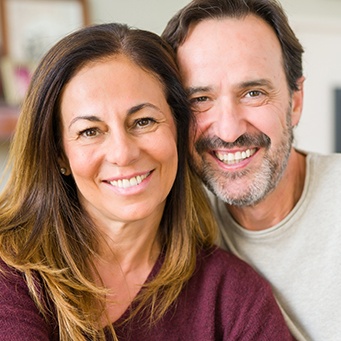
(8, 120)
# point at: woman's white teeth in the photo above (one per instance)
(126, 183)
(231, 158)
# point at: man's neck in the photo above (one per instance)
(279, 203)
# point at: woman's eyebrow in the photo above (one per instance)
(141, 106)
(91, 118)
(131, 111)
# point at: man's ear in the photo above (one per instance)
(297, 102)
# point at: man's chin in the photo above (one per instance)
(233, 194)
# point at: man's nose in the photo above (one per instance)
(228, 120)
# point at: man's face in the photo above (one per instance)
(233, 71)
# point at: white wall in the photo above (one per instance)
(322, 42)
(317, 23)
(146, 14)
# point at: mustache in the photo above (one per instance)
(245, 140)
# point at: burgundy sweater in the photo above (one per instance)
(224, 300)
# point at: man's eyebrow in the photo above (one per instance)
(193, 90)
(255, 82)
(243, 85)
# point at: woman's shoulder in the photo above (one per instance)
(10, 278)
(233, 292)
(227, 275)
(14, 292)
(223, 263)
(19, 315)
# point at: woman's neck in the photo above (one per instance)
(125, 259)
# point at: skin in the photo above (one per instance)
(245, 114)
(119, 140)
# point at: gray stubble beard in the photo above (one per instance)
(265, 180)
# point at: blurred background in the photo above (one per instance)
(30, 27)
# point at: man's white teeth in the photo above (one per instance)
(126, 183)
(231, 158)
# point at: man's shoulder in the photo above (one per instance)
(324, 165)
(317, 158)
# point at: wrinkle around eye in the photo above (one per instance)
(254, 93)
(200, 104)
(145, 122)
(90, 133)
(143, 125)
(254, 98)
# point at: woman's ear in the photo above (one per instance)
(297, 102)
(64, 167)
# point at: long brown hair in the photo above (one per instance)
(44, 231)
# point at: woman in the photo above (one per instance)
(105, 231)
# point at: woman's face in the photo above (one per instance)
(119, 139)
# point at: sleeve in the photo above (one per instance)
(262, 318)
(239, 299)
(259, 316)
(20, 319)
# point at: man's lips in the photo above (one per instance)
(232, 158)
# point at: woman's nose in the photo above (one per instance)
(122, 148)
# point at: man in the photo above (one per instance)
(277, 207)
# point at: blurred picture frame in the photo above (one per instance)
(30, 27)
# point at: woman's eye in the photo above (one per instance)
(91, 132)
(144, 122)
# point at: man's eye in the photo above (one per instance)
(199, 99)
(200, 104)
(254, 93)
